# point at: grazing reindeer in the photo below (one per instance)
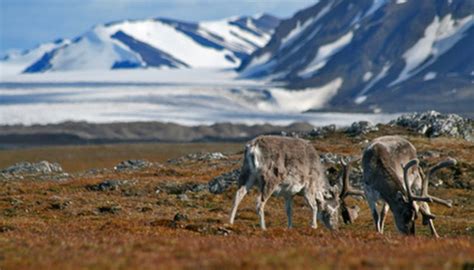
(288, 166)
(390, 175)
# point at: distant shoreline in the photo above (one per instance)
(83, 133)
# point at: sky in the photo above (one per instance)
(27, 23)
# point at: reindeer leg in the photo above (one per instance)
(383, 215)
(239, 195)
(311, 201)
(373, 208)
(430, 222)
(261, 201)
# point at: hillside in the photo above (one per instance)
(103, 214)
(376, 55)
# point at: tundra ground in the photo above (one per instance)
(67, 225)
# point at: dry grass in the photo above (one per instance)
(50, 225)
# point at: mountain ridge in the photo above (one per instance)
(418, 53)
(140, 44)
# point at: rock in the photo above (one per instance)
(435, 124)
(112, 209)
(320, 132)
(429, 154)
(199, 157)
(133, 165)
(108, 185)
(183, 197)
(27, 168)
(330, 158)
(361, 128)
(223, 182)
(6, 228)
(59, 203)
(180, 217)
(177, 188)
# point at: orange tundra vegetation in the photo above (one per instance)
(146, 224)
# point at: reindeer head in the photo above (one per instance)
(335, 204)
(329, 213)
(349, 213)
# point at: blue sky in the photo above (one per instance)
(26, 23)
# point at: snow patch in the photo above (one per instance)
(324, 53)
(439, 37)
(258, 64)
(430, 76)
(376, 4)
(360, 99)
(377, 78)
(300, 28)
(302, 100)
(235, 36)
(367, 76)
(401, 1)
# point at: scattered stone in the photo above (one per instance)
(132, 165)
(223, 231)
(108, 185)
(145, 209)
(320, 132)
(361, 128)
(183, 197)
(223, 182)
(6, 228)
(111, 209)
(180, 217)
(330, 158)
(95, 171)
(429, 154)
(42, 167)
(15, 201)
(59, 205)
(180, 188)
(435, 124)
(199, 156)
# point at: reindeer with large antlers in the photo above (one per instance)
(391, 174)
(289, 166)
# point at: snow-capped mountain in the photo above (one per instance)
(161, 43)
(16, 62)
(390, 55)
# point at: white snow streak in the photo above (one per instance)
(367, 76)
(430, 76)
(324, 54)
(376, 4)
(296, 32)
(375, 80)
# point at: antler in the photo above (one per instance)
(347, 189)
(425, 197)
(407, 166)
(424, 191)
(348, 214)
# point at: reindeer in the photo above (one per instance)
(391, 174)
(288, 166)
